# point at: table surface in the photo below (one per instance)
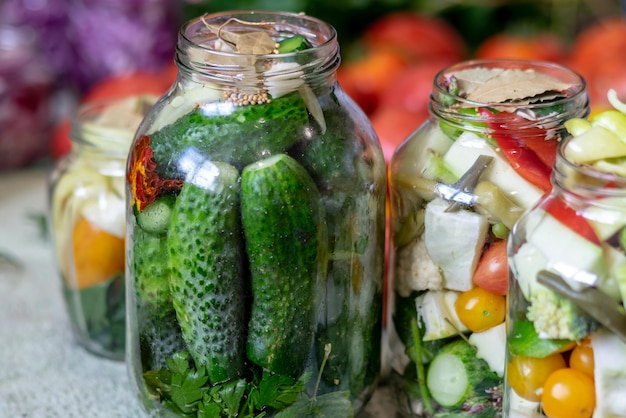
(43, 372)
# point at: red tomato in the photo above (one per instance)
(540, 46)
(366, 78)
(393, 125)
(60, 143)
(131, 84)
(599, 55)
(568, 393)
(492, 271)
(527, 375)
(412, 86)
(479, 309)
(418, 37)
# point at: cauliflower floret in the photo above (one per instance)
(416, 270)
(556, 317)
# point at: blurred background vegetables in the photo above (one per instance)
(391, 50)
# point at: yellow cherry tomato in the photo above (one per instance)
(568, 393)
(480, 309)
(581, 359)
(98, 255)
(527, 375)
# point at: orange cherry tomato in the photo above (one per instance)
(568, 393)
(581, 358)
(527, 375)
(492, 271)
(480, 309)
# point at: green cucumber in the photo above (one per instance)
(284, 230)
(335, 159)
(293, 44)
(155, 217)
(159, 334)
(456, 375)
(151, 272)
(221, 131)
(351, 325)
(206, 253)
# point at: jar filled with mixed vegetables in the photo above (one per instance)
(87, 220)
(458, 184)
(566, 320)
(256, 192)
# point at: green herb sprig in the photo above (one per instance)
(186, 390)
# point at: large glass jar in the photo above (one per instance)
(255, 227)
(566, 323)
(87, 221)
(458, 184)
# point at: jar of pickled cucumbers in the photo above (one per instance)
(256, 192)
(458, 184)
(87, 221)
(566, 330)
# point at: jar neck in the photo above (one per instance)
(529, 117)
(581, 184)
(207, 51)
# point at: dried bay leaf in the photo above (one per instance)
(514, 85)
(468, 80)
(255, 43)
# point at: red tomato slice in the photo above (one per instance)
(492, 271)
(568, 216)
(519, 155)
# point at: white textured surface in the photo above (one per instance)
(43, 372)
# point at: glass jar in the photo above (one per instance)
(458, 184)
(566, 326)
(255, 227)
(87, 221)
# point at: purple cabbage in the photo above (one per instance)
(84, 41)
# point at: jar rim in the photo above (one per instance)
(87, 131)
(558, 71)
(598, 179)
(322, 35)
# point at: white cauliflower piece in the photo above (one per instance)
(415, 270)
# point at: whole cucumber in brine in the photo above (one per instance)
(159, 333)
(206, 261)
(285, 236)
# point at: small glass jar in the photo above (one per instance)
(458, 184)
(255, 227)
(87, 220)
(566, 326)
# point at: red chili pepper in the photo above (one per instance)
(520, 156)
(565, 214)
(145, 183)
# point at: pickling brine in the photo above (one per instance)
(566, 331)
(87, 221)
(458, 184)
(256, 210)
